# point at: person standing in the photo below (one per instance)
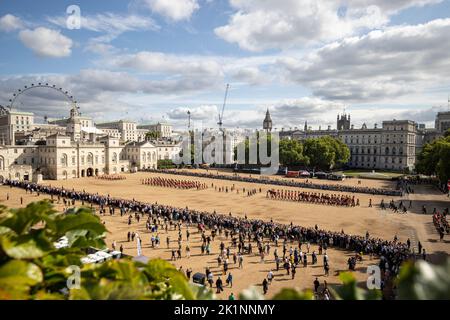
(241, 261)
(210, 279)
(270, 276)
(231, 296)
(265, 285)
(219, 285)
(230, 280)
(326, 268)
(316, 285)
(188, 273)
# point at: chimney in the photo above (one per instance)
(376, 125)
(329, 128)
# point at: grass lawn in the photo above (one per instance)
(369, 174)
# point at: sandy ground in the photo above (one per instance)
(383, 224)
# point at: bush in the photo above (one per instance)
(166, 164)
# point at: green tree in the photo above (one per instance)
(447, 133)
(291, 153)
(153, 135)
(341, 151)
(319, 153)
(325, 152)
(434, 159)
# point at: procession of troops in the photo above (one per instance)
(174, 183)
(401, 187)
(441, 223)
(242, 232)
(111, 177)
(313, 197)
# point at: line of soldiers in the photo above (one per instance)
(174, 183)
(394, 207)
(441, 223)
(111, 177)
(286, 183)
(313, 197)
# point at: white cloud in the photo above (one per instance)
(111, 25)
(175, 10)
(100, 48)
(251, 75)
(203, 112)
(215, 69)
(10, 22)
(382, 64)
(263, 24)
(99, 92)
(46, 42)
(158, 62)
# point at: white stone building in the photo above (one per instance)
(163, 129)
(68, 148)
(393, 146)
(126, 128)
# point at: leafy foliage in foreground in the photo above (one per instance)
(32, 268)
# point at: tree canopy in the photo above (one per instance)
(320, 153)
(153, 135)
(435, 159)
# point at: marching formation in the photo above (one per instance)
(174, 183)
(111, 177)
(313, 197)
(441, 223)
(288, 183)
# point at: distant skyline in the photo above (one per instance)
(153, 60)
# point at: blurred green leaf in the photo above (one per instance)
(294, 294)
(423, 281)
(16, 278)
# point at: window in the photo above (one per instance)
(90, 158)
(64, 160)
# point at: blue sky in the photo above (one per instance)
(149, 60)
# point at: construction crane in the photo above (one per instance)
(220, 123)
